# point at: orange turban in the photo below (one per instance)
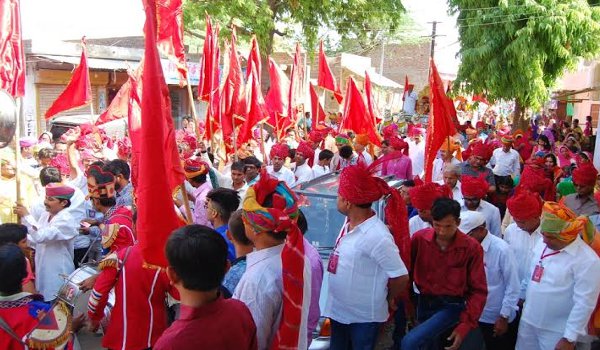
(362, 139)
(452, 147)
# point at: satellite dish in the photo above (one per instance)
(8, 118)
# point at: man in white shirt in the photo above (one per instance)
(474, 189)
(502, 284)
(524, 233)
(361, 142)
(563, 289)
(506, 161)
(303, 171)
(416, 150)
(422, 198)
(410, 100)
(451, 178)
(366, 273)
(279, 153)
(322, 166)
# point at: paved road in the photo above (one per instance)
(89, 341)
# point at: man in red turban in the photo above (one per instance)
(303, 171)
(478, 156)
(278, 155)
(422, 198)
(365, 244)
(474, 190)
(583, 202)
(397, 162)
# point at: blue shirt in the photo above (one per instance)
(222, 230)
(233, 276)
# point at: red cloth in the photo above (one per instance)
(370, 104)
(326, 80)
(585, 174)
(208, 86)
(160, 170)
(441, 126)
(253, 61)
(124, 148)
(306, 150)
(316, 136)
(281, 150)
(524, 205)
(399, 144)
(139, 292)
(203, 328)
(474, 187)
(356, 116)
(296, 92)
(122, 238)
(423, 196)
(59, 190)
(390, 131)
(77, 93)
(317, 112)
(406, 87)
(233, 99)
(533, 178)
(123, 103)
(170, 33)
(61, 163)
(256, 110)
(483, 150)
(12, 56)
(458, 271)
(276, 99)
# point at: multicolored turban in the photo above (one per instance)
(101, 184)
(525, 205)
(399, 144)
(61, 163)
(563, 224)
(507, 139)
(59, 190)
(343, 139)
(585, 175)
(280, 216)
(473, 187)
(280, 150)
(305, 150)
(195, 167)
(423, 196)
(362, 139)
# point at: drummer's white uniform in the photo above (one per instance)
(53, 242)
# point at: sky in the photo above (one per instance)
(72, 19)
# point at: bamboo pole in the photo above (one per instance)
(186, 204)
(262, 142)
(193, 107)
(19, 106)
(235, 148)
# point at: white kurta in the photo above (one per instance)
(303, 174)
(53, 240)
(416, 152)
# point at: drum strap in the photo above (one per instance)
(5, 327)
(124, 260)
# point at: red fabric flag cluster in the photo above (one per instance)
(170, 33)
(121, 105)
(356, 116)
(232, 96)
(254, 60)
(326, 79)
(79, 90)
(441, 126)
(160, 168)
(12, 69)
(256, 110)
(296, 91)
(369, 93)
(276, 99)
(317, 113)
(208, 88)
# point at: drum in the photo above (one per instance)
(53, 330)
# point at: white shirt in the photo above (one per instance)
(456, 191)
(53, 240)
(506, 163)
(366, 157)
(566, 295)
(284, 174)
(261, 289)
(492, 216)
(303, 173)
(410, 101)
(502, 280)
(319, 170)
(438, 169)
(417, 224)
(522, 243)
(416, 152)
(368, 257)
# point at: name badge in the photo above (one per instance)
(537, 273)
(333, 262)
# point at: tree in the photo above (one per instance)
(517, 50)
(267, 19)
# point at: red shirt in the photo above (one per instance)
(457, 271)
(225, 324)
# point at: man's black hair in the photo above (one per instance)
(224, 200)
(107, 202)
(385, 143)
(49, 175)
(443, 207)
(325, 154)
(118, 167)
(199, 178)
(346, 151)
(302, 223)
(237, 229)
(252, 161)
(198, 254)
(12, 233)
(239, 166)
(12, 269)
(409, 183)
(98, 163)
(45, 153)
(65, 200)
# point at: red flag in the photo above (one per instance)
(208, 88)
(134, 121)
(232, 95)
(356, 116)
(160, 167)
(326, 79)
(480, 98)
(440, 127)
(276, 99)
(12, 69)
(369, 93)
(405, 87)
(79, 91)
(295, 95)
(254, 60)
(317, 112)
(120, 106)
(256, 110)
(170, 33)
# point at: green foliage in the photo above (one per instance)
(284, 18)
(517, 49)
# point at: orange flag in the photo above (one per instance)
(326, 79)
(79, 90)
(440, 127)
(12, 69)
(170, 34)
(356, 116)
(276, 99)
(160, 167)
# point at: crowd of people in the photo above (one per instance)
(499, 248)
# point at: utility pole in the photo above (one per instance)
(382, 57)
(433, 35)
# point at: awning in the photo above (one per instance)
(564, 94)
(94, 63)
(376, 78)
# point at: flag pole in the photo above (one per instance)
(235, 149)
(19, 106)
(262, 141)
(186, 204)
(192, 105)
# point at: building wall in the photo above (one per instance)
(402, 60)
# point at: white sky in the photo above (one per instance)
(72, 19)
